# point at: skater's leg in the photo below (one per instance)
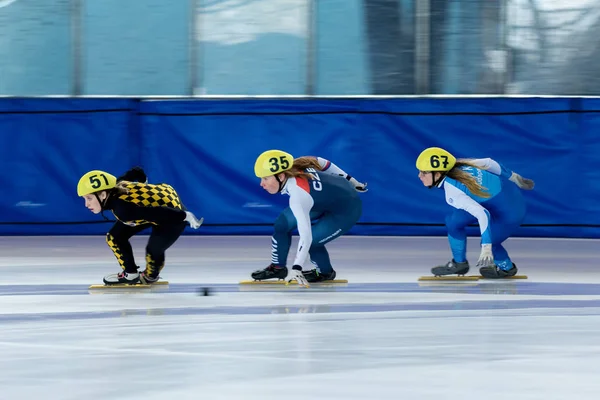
(117, 239)
(320, 258)
(282, 237)
(161, 238)
(501, 231)
(456, 224)
(509, 213)
(501, 257)
(504, 267)
(328, 228)
(323, 271)
(280, 246)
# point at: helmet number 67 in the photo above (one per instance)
(435, 161)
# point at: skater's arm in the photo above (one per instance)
(301, 203)
(330, 168)
(498, 169)
(492, 166)
(127, 211)
(459, 199)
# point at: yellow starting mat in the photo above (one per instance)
(127, 286)
(508, 278)
(282, 282)
(452, 278)
(459, 278)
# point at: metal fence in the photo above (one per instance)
(304, 47)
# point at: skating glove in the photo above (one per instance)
(296, 274)
(192, 220)
(486, 258)
(521, 182)
(358, 186)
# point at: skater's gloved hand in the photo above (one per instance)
(358, 186)
(193, 221)
(521, 182)
(296, 274)
(486, 258)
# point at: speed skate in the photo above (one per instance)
(129, 286)
(459, 278)
(283, 282)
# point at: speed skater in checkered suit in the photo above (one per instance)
(137, 205)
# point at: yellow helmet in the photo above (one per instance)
(272, 162)
(435, 159)
(95, 181)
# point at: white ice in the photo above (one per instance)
(381, 337)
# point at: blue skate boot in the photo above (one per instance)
(495, 272)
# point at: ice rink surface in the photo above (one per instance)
(384, 335)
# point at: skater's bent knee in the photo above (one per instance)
(281, 224)
(453, 226)
(114, 240)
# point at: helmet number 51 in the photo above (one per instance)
(95, 182)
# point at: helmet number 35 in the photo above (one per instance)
(275, 163)
(95, 181)
(435, 161)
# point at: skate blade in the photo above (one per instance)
(128, 286)
(446, 284)
(291, 283)
(452, 278)
(505, 278)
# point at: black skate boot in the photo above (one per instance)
(148, 279)
(315, 276)
(494, 272)
(451, 268)
(272, 271)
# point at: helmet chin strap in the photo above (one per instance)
(281, 183)
(435, 182)
(102, 204)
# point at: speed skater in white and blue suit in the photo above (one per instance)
(480, 191)
(324, 204)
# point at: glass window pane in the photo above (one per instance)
(552, 47)
(35, 47)
(390, 38)
(136, 47)
(252, 47)
(467, 51)
(341, 56)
